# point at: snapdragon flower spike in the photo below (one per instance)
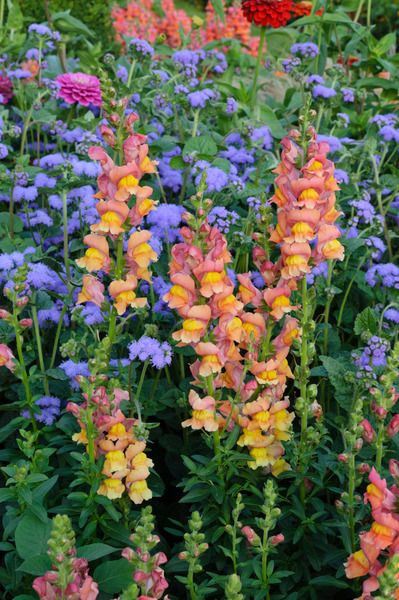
(118, 185)
(126, 466)
(382, 540)
(306, 213)
(227, 330)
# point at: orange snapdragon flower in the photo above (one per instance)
(194, 325)
(140, 254)
(96, 257)
(122, 290)
(203, 414)
(92, 291)
(278, 299)
(113, 215)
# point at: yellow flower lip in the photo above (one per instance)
(263, 416)
(295, 260)
(210, 358)
(192, 325)
(280, 301)
(111, 217)
(127, 296)
(93, 253)
(212, 277)
(361, 558)
(128, 181)
(309, 194)
(117, 429)
(302, 227)
(268, 375)
(332, 245)
(202, 415)
(179, 291)
(315, 166)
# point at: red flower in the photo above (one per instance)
(275, 13)
(6, 91)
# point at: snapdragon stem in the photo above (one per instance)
(24, 374)
(118, 275)
(303, 381)
(351, 498)
(326, 322)
(40, 349)
(379, 445)
(265, 554)
(254, 90)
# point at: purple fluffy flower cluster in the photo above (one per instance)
(307, 49)
(50, 408)
(222, 218)
(141, 47)
(159, 354)
(164, 222)
(374, 354)
(387, 274)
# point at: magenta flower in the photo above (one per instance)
(6, 89)
(79, 88)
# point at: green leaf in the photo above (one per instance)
(6, 494)
(44, 488)
(31, 536)
(113, 576)
(36, 565)
(202, 144)
(366, 322)
(66, 23)
(384, 44)
(43, 300)
(57, 374)
(270, 119)
(219, 9)
(5, 220)
(337, 369)
(94, 551)
(329, 581)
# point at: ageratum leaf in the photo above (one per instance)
(366, 322)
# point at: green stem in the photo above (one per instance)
(139, 388)
(303, 381)
(118, 275)
(24, 374)
(131, 73)
(2, 3)
(370, 2)
(347, 291)
(190, 583)
(58, 332)
(359, 11)
(328, 306)
(376, 169)
(40, 349)
(90, 432)
(380, 445)
(66, 239)
(351, 497)
(254, 90)
(265, 553)
(195, 123)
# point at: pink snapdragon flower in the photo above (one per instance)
(79, 88)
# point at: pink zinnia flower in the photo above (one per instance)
(81, 88)
(6, 91)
